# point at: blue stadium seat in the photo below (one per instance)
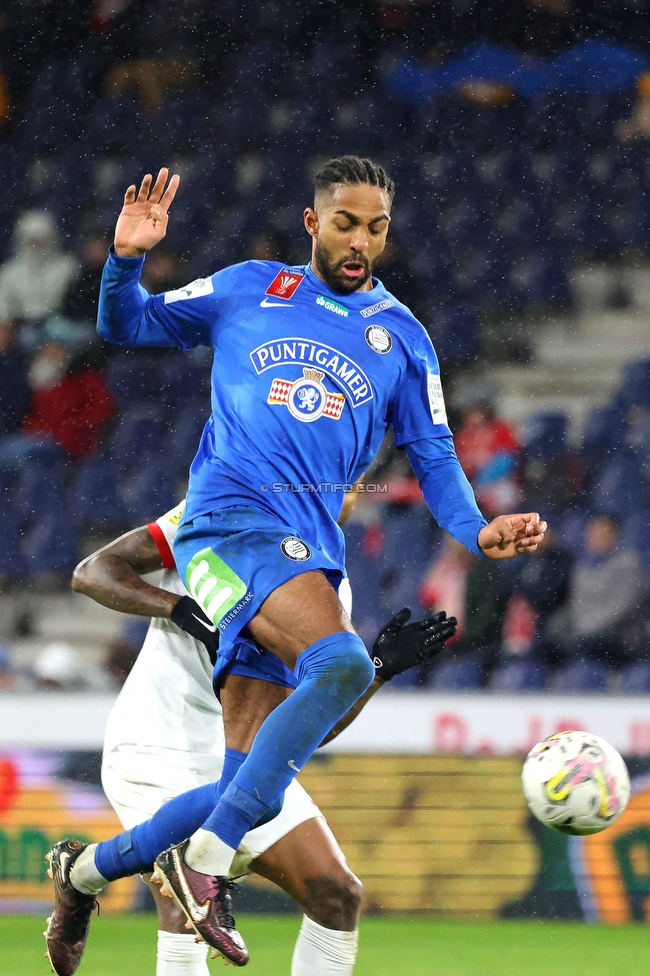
(580, 676)
(150, 490)
(456, 674)
(50, 546)
(635, 679)
(94, 496)
(131, 376)
(12, 560)
(39, 491)
(603, 435)
(620, 488)
(516, 676)
(544, 435)
(183, 377)
(186, 432)
(634, 390)
(140, 432)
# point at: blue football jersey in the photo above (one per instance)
(305, 383)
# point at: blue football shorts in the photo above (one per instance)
(230, 561)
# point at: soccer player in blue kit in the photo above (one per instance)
(312, 364)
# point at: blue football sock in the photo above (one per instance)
(332, 674)
(135, 850)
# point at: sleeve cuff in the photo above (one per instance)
(125, 263)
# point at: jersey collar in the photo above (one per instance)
(355, 297)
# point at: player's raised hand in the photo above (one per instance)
(143, 220)
(511, 535)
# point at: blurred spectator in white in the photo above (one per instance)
(58, 667)
(488, 450)
(34, 282)
(605, 593)
(14, 386)
(638, 124)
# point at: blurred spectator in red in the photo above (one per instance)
(34, 282)
(14, 387)
(488, 450)
(70, 404)
(80, 300)
(606, 592)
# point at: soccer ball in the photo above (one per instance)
(575, 782)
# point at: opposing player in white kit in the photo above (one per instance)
(165, 736)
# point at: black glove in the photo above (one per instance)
(189, 617)
(398, 648)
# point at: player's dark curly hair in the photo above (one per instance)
(352, 170)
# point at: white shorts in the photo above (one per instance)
(138, 780)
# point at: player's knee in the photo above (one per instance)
(334, 901)
(355, 670)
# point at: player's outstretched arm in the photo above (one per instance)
(397, 648)
(142, 222)
(511, 535)
(112, 576)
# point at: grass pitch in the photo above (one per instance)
(125, 946)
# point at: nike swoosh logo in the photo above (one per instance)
(64, 857)
(267, 304)
(292, 764)
(212, 629)
(198, 913)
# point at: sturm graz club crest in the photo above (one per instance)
(295, 548)
(379, 339)
(307, 398)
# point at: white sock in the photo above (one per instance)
(324, 952)
(84, 875)
(181, 955)
(208, 854)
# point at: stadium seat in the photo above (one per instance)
(544, 435)
(620, 488)
(186, 432)
(581, 676)
(12, 560)
(150, 490)
(140, 431)
(40, 489)
(94, 497)
(516, 676)
(635, 679)
(456, 674)
(50, 546)
(131, 376)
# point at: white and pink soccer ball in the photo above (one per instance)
(576, 782)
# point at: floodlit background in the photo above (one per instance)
(518, 133)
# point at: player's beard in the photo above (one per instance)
(332, 271)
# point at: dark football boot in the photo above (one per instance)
(67, 926)
(206, 901)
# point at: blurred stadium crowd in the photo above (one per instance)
(519, 138)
